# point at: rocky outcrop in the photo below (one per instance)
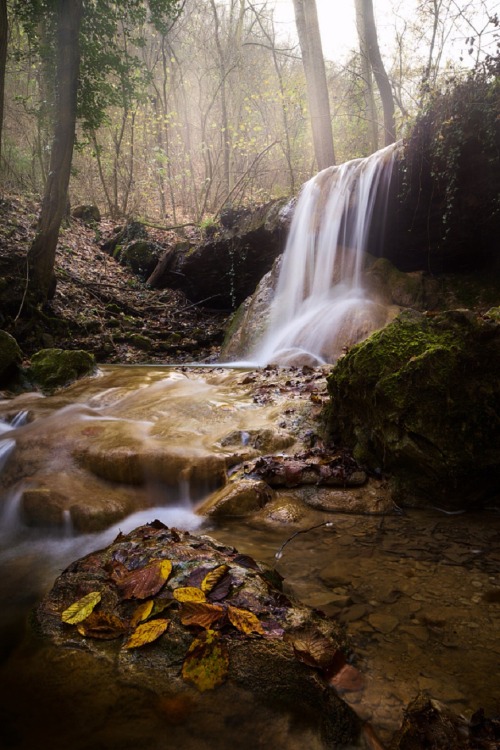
(225, 268)
(200, 635)
(421, 400)
(88, 213)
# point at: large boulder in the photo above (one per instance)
(421, 399)
(227, 266)
(52, 368)
(196, 645)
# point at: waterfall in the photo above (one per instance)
(320, 305)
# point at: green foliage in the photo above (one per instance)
(112, 31)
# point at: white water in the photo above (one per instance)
(320, 305)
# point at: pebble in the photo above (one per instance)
(383, 623)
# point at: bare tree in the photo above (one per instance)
(367, 31)
(4, 31)
(306, 19)
(367, 76)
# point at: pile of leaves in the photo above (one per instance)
(99, 305)
(313, 466)
(163, 586)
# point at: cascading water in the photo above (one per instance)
(320, 305)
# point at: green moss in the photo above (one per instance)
(421, 399)
(52, 368)
(10, 355)
(141, 342)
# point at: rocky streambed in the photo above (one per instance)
(409, 599)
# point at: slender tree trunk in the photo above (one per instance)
(379, 72)
(4, 32)
(306, 19)
(42, 252)
(366, 71)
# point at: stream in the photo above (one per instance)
(418, 590)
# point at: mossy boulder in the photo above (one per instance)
(52, 368)
(420, 399)
(88, 213)
(141, 257)
(10, 356)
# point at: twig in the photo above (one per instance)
(166, 229)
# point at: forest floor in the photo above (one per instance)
(100, 305)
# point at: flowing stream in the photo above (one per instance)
(321, 304)
(419, 592)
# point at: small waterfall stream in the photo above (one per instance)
(321, 305)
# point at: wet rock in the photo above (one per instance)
(310, 467)
(373, 499)
(428, 723)
(10, 357)
(421, 400)
(414, 289)
(242, 497)
(226, 267)
(264, 673)
(85, 505)
(52, 368)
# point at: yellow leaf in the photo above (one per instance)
(213, 577)
(165, 568)
(142, 612)
(207, 662)
(244, 620)
(81, 609)
(189, 594)
(146, 633)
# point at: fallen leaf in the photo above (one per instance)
(221, 589)
(244, 621)
(81, 609)
(189, 594)
(207, 662)
(213, 577)
(146, 633)
(102, 626)
(201, 613)
(145, 582)
(141, 613)
(314, 649)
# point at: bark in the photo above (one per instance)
(369, 32)
(4, 30)
(306, 19)
(42, 252)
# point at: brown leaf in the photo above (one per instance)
(207, 662)
(102, 626)
(146, 633)
(213, 577)
(314, 649)
(244, 621)
(201, 614)
(221, 589)
(145, 582)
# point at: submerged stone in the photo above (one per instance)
(269, 672)
(421, 400)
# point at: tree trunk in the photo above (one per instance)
(306, 19)
(42, 252)
(366, 72)
(369, 33)
(4, 31)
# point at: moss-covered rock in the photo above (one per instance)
(141, 257)
(421, 400)
(51, 368)
(10, 356)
